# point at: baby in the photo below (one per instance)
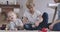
(14, 22)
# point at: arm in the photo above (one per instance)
(24, 20)
(51, 26)
(57, 21)
(19, 24)
(40, 19)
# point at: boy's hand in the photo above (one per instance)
(37, 23)
(51, 27)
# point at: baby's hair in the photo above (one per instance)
(11, 13)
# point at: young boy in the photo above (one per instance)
(32, 18)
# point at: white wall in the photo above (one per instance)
(40, 5)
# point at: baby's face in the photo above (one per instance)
(12, 16)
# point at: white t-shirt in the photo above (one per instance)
(32, 18)
(14, 24)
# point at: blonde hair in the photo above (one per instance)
(29, 3)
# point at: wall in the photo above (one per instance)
(39, 4)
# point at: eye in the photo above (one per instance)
(9, 16)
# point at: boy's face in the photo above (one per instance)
(31, 8)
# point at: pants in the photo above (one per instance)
(56, 27)
(41, 25)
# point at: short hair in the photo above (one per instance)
(29, 4)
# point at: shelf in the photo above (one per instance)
(9, 6)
